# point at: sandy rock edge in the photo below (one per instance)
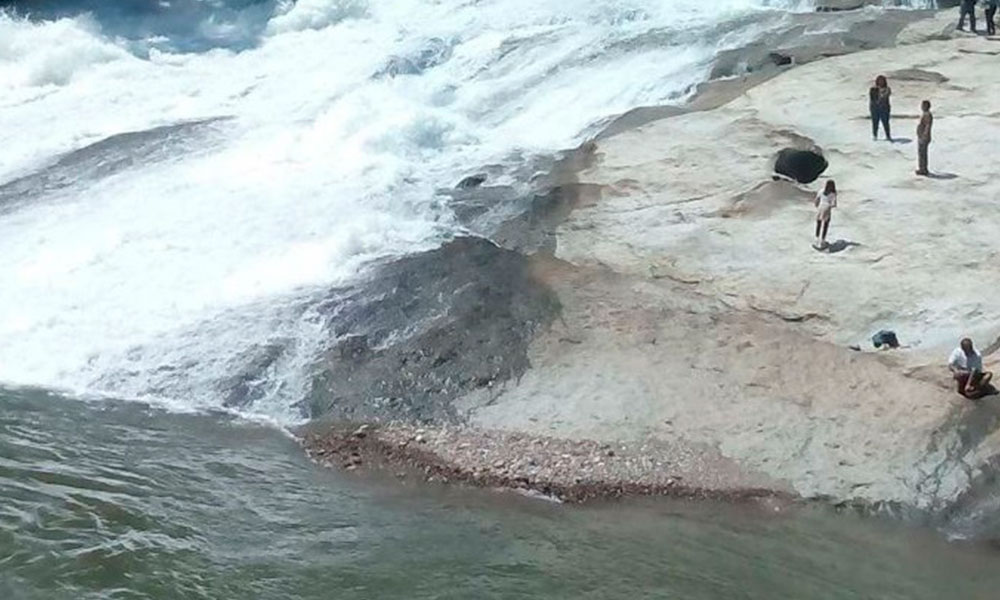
(568, 471)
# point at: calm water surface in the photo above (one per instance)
(102, 500)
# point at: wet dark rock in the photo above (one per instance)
(521, 222)
(916, 75)
(253, 379)
(803, 42)
(108, 157)
(482, 208)
(804, 166)
(840, 5)
(472, 181)
(353, 347)
(432, 53)
(523, 219)
(426, 329)
(738, 69)
(779, 59)
(534, 229)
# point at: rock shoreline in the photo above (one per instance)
(570, 471)
(694, 323)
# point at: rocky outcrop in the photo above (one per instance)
(695, 309)
(426, 329)
(803, 38)
(694, 313)
(431, 53)
(842, 5)
(108, 157)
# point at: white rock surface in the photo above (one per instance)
(696, 310)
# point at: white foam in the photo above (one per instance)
(34, 55)
(315, 14)
(152, 281)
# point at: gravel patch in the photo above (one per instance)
(573, 471)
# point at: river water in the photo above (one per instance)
(104, 499)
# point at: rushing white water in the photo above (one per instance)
(153, 279)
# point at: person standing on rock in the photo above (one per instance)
(825, 202)
(968, 9)
(880, 106)
(991, 13)
(966, 364)
(924, 137)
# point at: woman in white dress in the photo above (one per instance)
(826, 201)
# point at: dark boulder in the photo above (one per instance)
(426, 329)
(804, 166)
(840, 5)
(779, 59)
(429, 54)
(254, 378)
(472, 181)
(916, 75)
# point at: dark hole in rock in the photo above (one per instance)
(804, 166)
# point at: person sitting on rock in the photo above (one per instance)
(880, 107)
(924, 137)
(825, 202)
(967, 9)
(966, 365)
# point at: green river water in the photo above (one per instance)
(117, 500)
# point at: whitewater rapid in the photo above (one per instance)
(271, 173)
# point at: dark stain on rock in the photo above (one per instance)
(427, 329)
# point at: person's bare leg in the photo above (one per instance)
(977, 386)
(987, 378)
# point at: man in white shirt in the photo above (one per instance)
(966, 366)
